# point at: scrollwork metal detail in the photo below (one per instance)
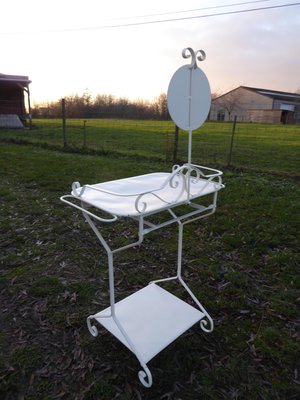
(93, 330)
(181, 180)
(198, 55)
(75, 186)
(145, 376)
(207, 325)
(174, 180)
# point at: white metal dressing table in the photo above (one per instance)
(151, 318)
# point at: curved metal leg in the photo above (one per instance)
(146, 374)
(92, 328)
(204, 322)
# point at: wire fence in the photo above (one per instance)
(265, 147)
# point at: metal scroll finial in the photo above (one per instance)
(198, 55)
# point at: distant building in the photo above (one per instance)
(249, 104)
(13, 91)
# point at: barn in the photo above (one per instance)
(14, 89)
(249, 104)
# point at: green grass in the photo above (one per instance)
(264, 147)
(243, 263)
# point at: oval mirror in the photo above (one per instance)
(189, 97)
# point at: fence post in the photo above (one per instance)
(231, 143)
(175, 150)
(63, 112)
(84, 133)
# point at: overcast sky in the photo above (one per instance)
(68, 46)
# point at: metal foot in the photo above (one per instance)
(145, 377)
(207, 325)
(93, 330)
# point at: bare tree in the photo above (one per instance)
(229, 102)
(162, 106)
(215, 95)
(103, 105)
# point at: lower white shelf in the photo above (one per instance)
(152, 318)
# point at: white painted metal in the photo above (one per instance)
(189, 98)
(189, 95)
(148, 193)
(150, 319)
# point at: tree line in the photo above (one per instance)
(103, 106)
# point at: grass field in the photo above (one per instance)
(243, 263)
(260, 147)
